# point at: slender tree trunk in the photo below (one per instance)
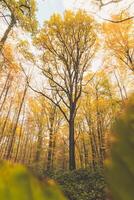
(85, 151)
(22, 148)
(50, 146)
(64, 157)
(53, 153)
(4, 154)
(39, 146)
(5, 121)
(25, 148)
(30, 153)
(10, 147)
(5, 85)
(99, 131)
(95, 152)
(78, 146)
(119, 86)
(51, 132)
(5, 97)
(19, 137)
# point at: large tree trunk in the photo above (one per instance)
(6, 33)
(72, 164)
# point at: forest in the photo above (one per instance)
(66, 100)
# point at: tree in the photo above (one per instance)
(20, 13)
(120, 41)
(110, 5)
(97, 112)
(68, 45)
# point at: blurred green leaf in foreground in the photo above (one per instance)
(120, 169)
(16, 183)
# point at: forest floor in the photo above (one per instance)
(82, 184)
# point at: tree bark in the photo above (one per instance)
(50, 146)
(9, 28)
(72, 163)
(10, 147)
(39, 147)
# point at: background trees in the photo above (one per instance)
(59, 95)
(34, 123)
(120, 41)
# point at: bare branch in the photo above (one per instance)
(118, 21)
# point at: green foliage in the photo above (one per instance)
(17, 183)
(81, 184)
(120, 170)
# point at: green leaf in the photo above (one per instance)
(120, 170)
(17, 183)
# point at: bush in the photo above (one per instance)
(81, 184)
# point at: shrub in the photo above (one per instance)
(81, 184)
